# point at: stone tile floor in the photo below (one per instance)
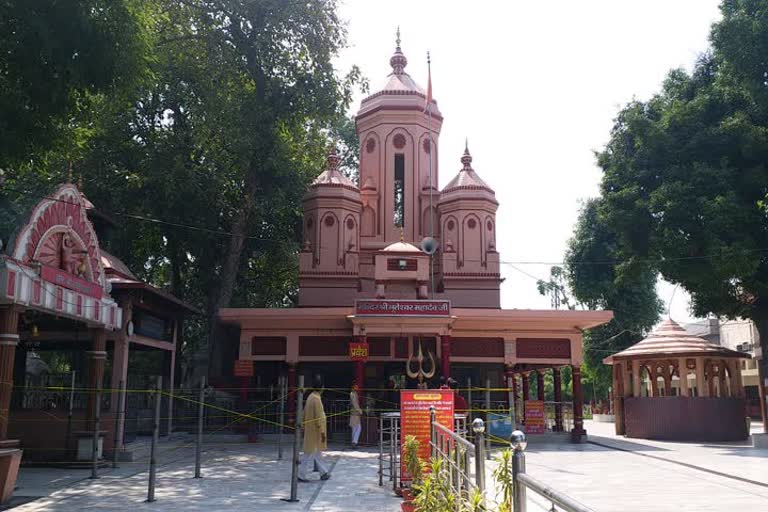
(248, 477)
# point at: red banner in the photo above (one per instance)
(534, 417)
(372, 307)
(67, 280)
(414, 418)
(243, 368)
(358, 351)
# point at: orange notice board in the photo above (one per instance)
(243, 368)
(414, 418)
(534, 417)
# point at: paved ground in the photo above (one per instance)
(645, 476)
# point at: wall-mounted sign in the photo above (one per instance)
(374, 307)
(414, 418)
(534, 417)
(243, 368)
(358, 351)
(70, 281)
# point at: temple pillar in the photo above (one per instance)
(121, 348)
(701, 382)
(636, 382)
(291, 379)
(525, 377)
(761, 395)
(445, 355)
(509, 377)
(667, 376)
(9, 338)
(682, 372)
(540, 385)
(360, 371)
(578, 434)
(618, 397)
(558, 385)
(97, 358)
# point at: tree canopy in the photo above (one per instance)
(203, 162)
(685, 176)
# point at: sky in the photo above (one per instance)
(534, 86)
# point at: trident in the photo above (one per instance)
(420, 374)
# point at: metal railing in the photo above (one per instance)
(456, 453)
(523, 482)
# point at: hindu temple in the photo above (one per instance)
(399, 279)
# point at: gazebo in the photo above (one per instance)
(676, 386)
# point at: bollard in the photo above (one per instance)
(199, 441)
(478, 427)
(118, 413)
(432, 433)
(518, 442)
(95, 440)
(296, 439)
(155, 440)
(71, 407)
(282, 390)
(488, 416)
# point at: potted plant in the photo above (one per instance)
(414, 467)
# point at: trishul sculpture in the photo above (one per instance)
(421, 374)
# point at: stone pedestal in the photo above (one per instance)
(10, 458)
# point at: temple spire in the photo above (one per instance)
(466, 158)
(398, 60)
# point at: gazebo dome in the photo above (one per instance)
(670, 339)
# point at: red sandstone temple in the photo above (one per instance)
(370, 298)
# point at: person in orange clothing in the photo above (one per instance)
(459, 404)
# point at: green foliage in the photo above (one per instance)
(505, 482)
(224, 118)
(58, 60)
(685, 173)
(413, 464)
(599, 279)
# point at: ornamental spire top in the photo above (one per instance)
(398, 60)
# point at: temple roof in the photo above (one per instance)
(113, 265)
(331, 176)
(467, 178)
(670, 339)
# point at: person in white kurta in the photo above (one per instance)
(355, 414)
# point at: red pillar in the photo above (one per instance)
(509, 374)
(9, 338)
(558, 399)
(578, 434)
(540, 384)
(97, 359)
(526, 386)
(445, 355)
(291, 399)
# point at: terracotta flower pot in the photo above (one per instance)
(407, 506)
(408, 495)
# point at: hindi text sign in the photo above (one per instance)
(534, 417)
(414, 418)
(243, 368)
(358, 351)
(376, 307)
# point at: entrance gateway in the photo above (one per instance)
(370, 300)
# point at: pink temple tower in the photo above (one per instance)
(349, 233)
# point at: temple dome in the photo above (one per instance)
(402, 247)
(467, 181)
(331, 176)
(399, 89)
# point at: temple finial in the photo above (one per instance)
(398, 60)
(466, 158)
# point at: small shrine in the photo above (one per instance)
(673, 385)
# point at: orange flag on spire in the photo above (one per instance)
(428, 105)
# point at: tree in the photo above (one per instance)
(598, 280)
(685, 174)
(58, 59)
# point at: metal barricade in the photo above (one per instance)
(456, 453)
(389, 445)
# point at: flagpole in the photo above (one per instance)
(431, 149)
